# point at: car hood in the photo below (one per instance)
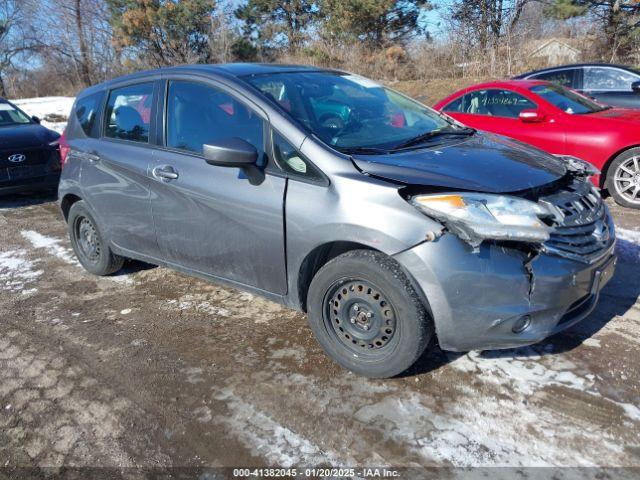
(483, 162)
(625, 115)
(27, 135)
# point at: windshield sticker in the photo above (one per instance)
(362, 81)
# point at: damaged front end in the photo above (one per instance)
(567, 218)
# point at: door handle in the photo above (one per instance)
(165, 173)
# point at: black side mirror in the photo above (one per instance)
(635, 86)
(35, 119)
(235, 152)
(230, 152)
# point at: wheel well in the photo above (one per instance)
(66, 203)
(605, 167)
(316, 259)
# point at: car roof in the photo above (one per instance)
(517, 84)
(575, 65)
(229, 70)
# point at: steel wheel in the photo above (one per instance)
(361, 317)
(626, 180)
(88, 239)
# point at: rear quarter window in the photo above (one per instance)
(87, 112)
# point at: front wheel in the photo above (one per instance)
(623, 178)
(88, 243)
(366, 314)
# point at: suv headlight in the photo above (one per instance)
(476, 216)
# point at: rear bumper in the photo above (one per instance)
(42, 182)
(478, 298)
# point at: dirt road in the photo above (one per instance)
(152, 368)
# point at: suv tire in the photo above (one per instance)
(366, 314)
(88, 243)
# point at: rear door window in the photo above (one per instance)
(606, 78)
(128, 112)
(566, 78)
(199, 114)
(87, 111)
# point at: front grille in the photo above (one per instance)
(583, 229)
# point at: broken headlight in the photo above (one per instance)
(475, 217)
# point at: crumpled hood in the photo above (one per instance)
(483, 163)
(27, 135)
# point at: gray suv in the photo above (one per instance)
(390, 224)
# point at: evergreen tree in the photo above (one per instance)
(163, 32)
(377, 22)
(271, 23)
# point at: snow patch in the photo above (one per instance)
(53, 246)
(526, 368)
(278, 444)
(198, 303)
(50, 245)
(295, 353)
(16, 272)
(628, 244)
(480, 431)
(48, 109)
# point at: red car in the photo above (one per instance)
(559, 121)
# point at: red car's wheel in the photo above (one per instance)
(623, 178)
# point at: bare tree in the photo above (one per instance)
(77, 38)
(13, 42)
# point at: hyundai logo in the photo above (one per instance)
(17, 157)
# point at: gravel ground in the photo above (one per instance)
(151, 368)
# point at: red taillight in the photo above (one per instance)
(64, 150)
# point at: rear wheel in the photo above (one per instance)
(366, 314)
(88, 243)
(623, 178)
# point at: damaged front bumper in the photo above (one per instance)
(481, 298)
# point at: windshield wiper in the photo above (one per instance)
(432, 134)
(601, 109)
(364, 150)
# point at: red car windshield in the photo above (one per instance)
(566, 100)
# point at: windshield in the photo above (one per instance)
(348, 111)
(567, 100)
(10, 115)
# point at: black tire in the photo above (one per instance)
(380, 345)
(623, 177)
(88, 243)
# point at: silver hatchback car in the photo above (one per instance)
(390, 224)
